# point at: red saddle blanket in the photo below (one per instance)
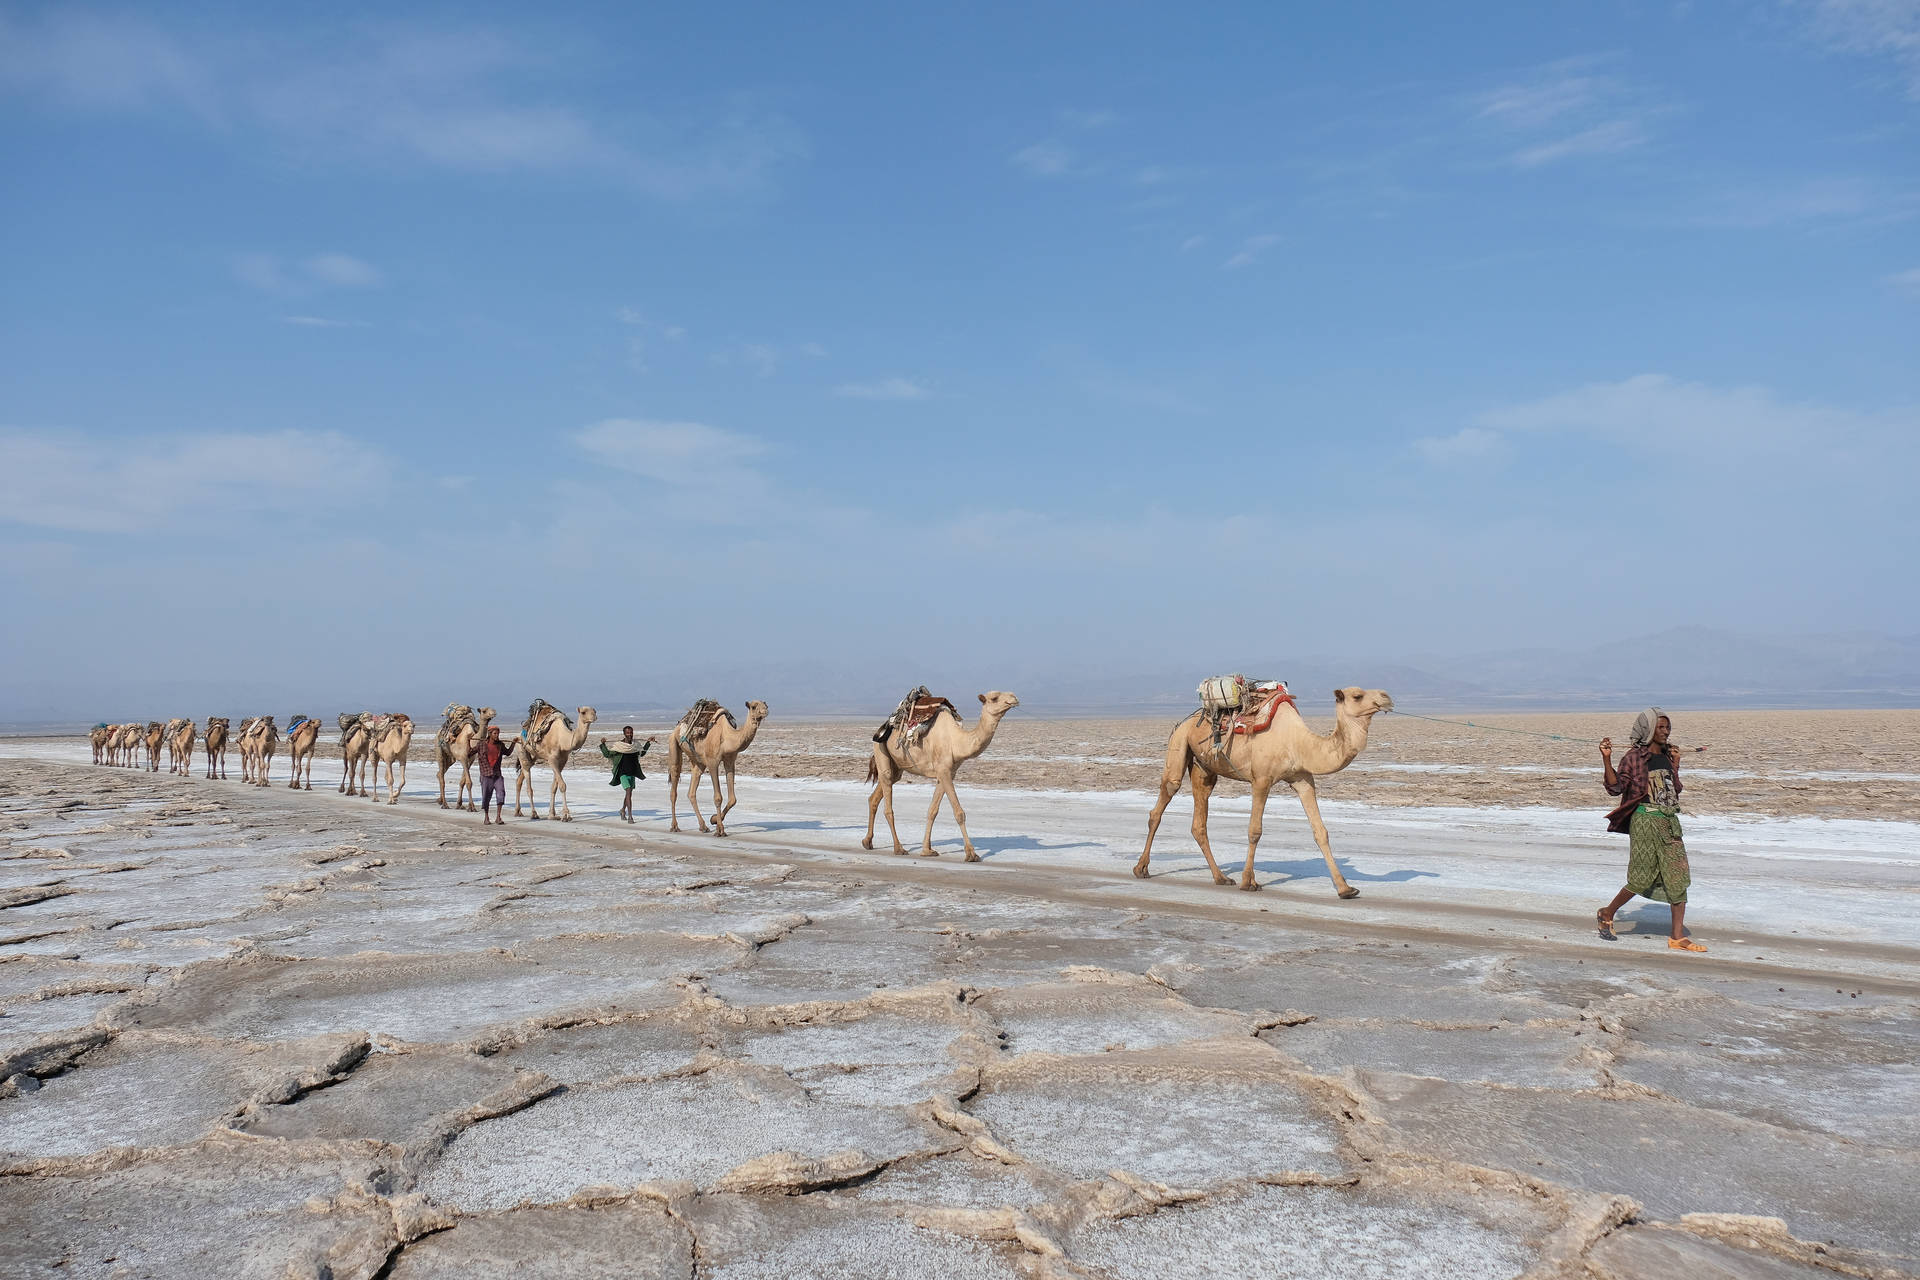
(1258, 718)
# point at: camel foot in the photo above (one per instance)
(930, 853)
(1220, 879)
(445, 805)
(718, 832)
(1349, 892)
(566, 817)
(308, 787)
(1250, 886)
(867, 843)
(899, 851)
(971, 857)
(1140, 871)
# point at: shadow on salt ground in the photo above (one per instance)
(1316, 869)
(988, 846)
(1645, 917)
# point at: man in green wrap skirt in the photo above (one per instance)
(1648, 784)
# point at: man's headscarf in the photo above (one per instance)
(1644, 725)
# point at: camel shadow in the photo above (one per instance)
(1316, 869)
(989, 846)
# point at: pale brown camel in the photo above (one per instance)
(714, 751)
(1288, 752)
(179, 745)
(215, 744)
(355, 734)
(240, 741)
(557, 743)
(156, 733)
(458, 742)
(259, 739)
(938, 754)
(98, 737)
(303, 735)
(388, 745)
(120, 745)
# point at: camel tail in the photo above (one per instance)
(1179, 755)
(873, 770)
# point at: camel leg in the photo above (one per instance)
(886, 788)
(719, 810)
(1202, 782)
(673, 787)
(694, 774)
(559, 788)
(960, 816)
(1255, 824)
(926, 843)
(465, 799)
(1169, 788)
(1310, 801)
(443, 765)
(733, 798)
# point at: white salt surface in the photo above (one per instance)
(1289, 1232)
(1851, 880)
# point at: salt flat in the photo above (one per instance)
(253, 1032)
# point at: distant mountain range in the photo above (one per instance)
(1681, 667)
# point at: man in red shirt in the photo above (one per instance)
(493, 780)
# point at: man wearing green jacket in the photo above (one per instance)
(625, 755)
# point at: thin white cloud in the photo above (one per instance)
(1656, 412)
(271, 273)
(322, 322)
(1463, 445)
(1082, 119)
(1250, 251)
(1879, 28)
(452, 97)
(678, 454)
(1565, 110)
(1603, 139)
(1045, 159)
(342, 271)
(86, 483)
(1906, 281)
(883, 389)
(1191, 243)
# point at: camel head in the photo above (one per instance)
(587, 715)
(756, 712)
(1360, 704)
(997, 702)
(487, 714)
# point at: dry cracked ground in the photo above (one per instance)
(253, 1034)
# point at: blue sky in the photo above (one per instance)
(362, 352)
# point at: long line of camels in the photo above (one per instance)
(1284, 751)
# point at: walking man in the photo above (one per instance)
(625, 755)
(493, 777)
(1648, 784)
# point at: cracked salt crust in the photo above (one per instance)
(818, 1072)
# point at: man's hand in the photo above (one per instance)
(651, 739)
(1606, 748)
(603, 742)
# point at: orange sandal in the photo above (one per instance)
(1683, 944)
(1605, 922)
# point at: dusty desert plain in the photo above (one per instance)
(258, 1032)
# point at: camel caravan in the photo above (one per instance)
(1250, 731)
